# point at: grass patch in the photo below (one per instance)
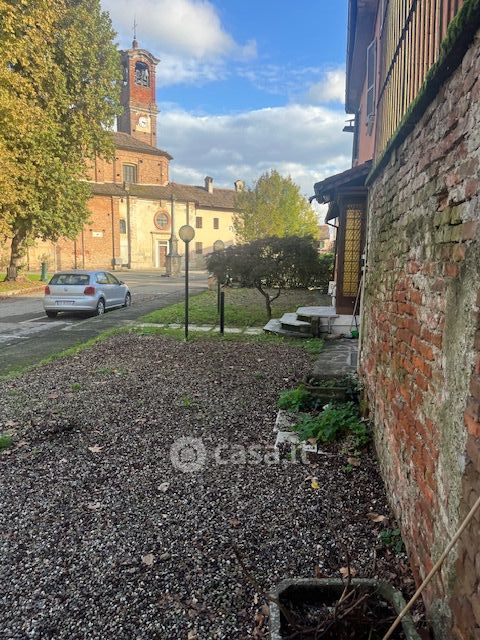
(66, 353)
(177, 334)
(30, 282)
(199, 336)
(243, 307)
(5, 441)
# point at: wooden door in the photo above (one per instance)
(162, 255)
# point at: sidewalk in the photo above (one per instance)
(205, 328)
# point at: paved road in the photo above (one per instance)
(27, 335)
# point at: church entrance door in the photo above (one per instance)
(162, 255)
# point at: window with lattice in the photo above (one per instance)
(351, 257)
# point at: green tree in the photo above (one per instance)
(59, 94)
(273, 207)
(272, 263)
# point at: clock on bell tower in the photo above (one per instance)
(139, 118)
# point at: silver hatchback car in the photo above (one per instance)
(85, 292)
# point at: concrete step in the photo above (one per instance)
(291, 320)
(275, 326)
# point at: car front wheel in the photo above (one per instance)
(51, 314)
(128, 300)
(100, 308)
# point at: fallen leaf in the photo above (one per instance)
(164, 487)
(345, 571)
(95, 449)
(376, 517)
(149, 559)
(93, 506)
(318, 572)
(192, 635)
(314, 484)
(259, 619)
(355, 462)
(312, 440)
(265, 610)
(234, 522)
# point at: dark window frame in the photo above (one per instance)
(134, 169)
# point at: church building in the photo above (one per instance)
(136, 210)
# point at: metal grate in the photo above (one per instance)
(351, 258)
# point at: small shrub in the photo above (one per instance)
(335, 421)
(5, 441)
(75, 386)
(296, 400)
(392, 538)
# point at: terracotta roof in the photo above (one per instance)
(218, 199)
(354, 177)
(126, 141)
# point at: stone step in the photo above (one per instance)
(291, 320)
(275, 326)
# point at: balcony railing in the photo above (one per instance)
(411, 34)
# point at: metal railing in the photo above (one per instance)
(411, 34)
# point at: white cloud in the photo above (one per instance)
(188, 27)
(175, 69)
(331, 88)
(305, 142)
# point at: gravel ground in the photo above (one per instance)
(102, 538)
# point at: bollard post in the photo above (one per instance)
(222, 312)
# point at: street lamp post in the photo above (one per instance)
(187, 234)
(218, 245)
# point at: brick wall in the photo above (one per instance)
(151, 169)
(421, 341)
(94, 248)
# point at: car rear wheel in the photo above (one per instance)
(100, 308)
(128, 300)
(51, 314)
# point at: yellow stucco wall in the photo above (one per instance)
(146, 237)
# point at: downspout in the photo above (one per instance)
(113, 233)
(129, 230)
(364, 277)
(83, 248)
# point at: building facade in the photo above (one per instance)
(413, 83)
(136, 209)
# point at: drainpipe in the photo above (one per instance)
(364, 274)
(113, 232)
(83, 248)
(126, 187)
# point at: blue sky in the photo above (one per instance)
(245, 86)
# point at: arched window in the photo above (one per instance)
(142, 74)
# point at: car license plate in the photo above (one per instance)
(64, 302)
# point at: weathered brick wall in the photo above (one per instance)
(151, 169)
(94, 247)
(421, 341)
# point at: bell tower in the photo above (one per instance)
(139, 118)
